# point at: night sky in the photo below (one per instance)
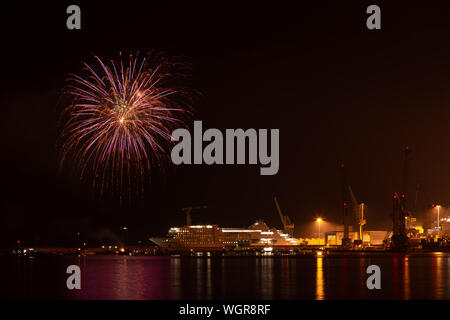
(336, 90)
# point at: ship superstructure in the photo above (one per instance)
(213, 235)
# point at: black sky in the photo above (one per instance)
(336, 90)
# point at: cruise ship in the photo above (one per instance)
(193, 236)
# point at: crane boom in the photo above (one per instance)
(279, 212)
(353, 202)
(288, 226)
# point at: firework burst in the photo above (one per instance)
(120, 121)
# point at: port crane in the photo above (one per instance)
(358, 211)
(288, 226)
(400, 212)
(346, 241)
(188, 211)
(351, 210)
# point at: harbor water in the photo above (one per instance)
(341, 276)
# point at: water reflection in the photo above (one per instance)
(344, 280)
(222, 277)
(208, 279)
(404, 276)
(266, 278)
(199, 276)
(320, 284)
(401, 283)
(363, 263)
(446, 286)
(175, 277)
(406, 283)
(287, 279)
(121, 281)
(436, 275)
(395, 278)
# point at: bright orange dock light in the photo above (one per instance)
(319, 220)
(438, 207)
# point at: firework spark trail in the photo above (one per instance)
(120, 120)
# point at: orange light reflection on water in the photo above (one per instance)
(320, 285)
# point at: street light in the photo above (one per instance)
(438, 207)
(319, 220)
